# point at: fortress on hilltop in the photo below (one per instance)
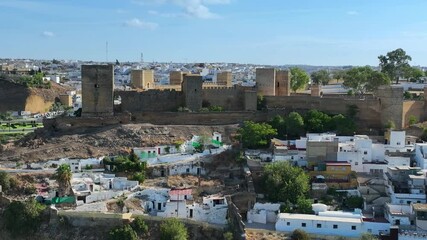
(160, 104)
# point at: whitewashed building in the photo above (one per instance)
(421, 155)
(263, 213)
(333, 223)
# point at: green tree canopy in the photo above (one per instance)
(23, 218)
(338, 75)
(342, 125)
(173, 229)
(255, 135)
(299, 79)
(394, 64)
(364, 79)
(413, 74)
(317, 122)
(294, 125)
(320, 77)
(285, 183)
(279, 123)
(121, 233)
(63, 175)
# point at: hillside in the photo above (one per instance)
(96, 142)
(16, 97)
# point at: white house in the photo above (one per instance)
(331, 224)
(263, 213)
(421, 155)
(406, 185)
(399, 214)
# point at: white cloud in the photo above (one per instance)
(141, 24)
(48, 34)
(191, 8)
(352, 13)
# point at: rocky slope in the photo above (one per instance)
(44, 145)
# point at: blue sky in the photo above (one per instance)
(316, 32)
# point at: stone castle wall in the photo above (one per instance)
(369, 109)
(151, 100)
(231, 99)
(200, 118)
(413, 108)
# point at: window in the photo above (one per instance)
(335, 226)
(303, 224)
(398, 143)
(288, 223)
(319, 225)
(365, 152)
(356, 163)
(353, 227)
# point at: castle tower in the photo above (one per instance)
(176, 77)
(316, 90)
(142, 79)
(97, 90)
(266, 81)
(391, 104)
(192, 90)
(224, 78)
(283, 83)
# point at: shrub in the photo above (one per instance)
(4, 180)
(121, 233)
(173, 229)
(23, 218)
(140, 226)
(299, 234)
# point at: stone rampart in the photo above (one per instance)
(151, 100)
(210, 118)
(369, 109)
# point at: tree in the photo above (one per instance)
(338, 75)
(121, 233)
(342, 125)
(279, 123)
(394, 64)
(255, 135)
(285, 183)
(304, 206)
(294, 125)
(4, 180)
(139, 225)
(320, 77)
(299, 234)
(413, 74)
(318, 122)
(63, 176)
(173, 229)
(364, 79)
(299, 78)
(23, 218)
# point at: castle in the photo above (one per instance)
(189, 91)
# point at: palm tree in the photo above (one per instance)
(63, 176)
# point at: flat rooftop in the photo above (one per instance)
(309, 217)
